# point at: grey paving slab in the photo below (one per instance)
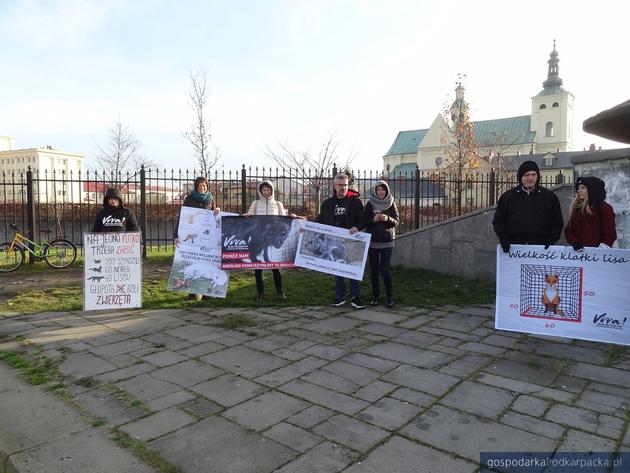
(530, 373)
(576, 441)
(417, 339)
(324, 397)
(408, 355)
(197, 333)
(413, 397)
(324, 458)
(216, 445)
(169, 342)
(244, 361)
(399, 455)
(380, 365)
(201, 349)
(164, 358)
(292, 371)
(293, 437)
(479, 399)
(83, 365)
(265, 410)
(330, 380)
(530, 405)
(374, 391)
(145, 388)
(373, 315)
(200, 407)
(389, 413)
(601, 402)
(573, 353)
(125, 373)
(125, 346)
(104, 405)
(169, 400)
(525, 388)
(187, 373)
(333, 325)
(533, 425)
(465, 435)
(583, 419)
(382, 330)
(465, 366)
(159, 424)
(601, 373)
(416, 321)
(271, 342)
(288, 354)
(325, 351)
(427, 381)
(350, 432)
(229, 390)
(311, 416)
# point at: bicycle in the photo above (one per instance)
(58, 253)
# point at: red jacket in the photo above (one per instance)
(591, 230)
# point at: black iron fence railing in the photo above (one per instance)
(67, 203)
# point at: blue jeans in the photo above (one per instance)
(340, 292)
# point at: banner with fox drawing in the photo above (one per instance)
(259, 242)
(197, 261)
(564, 293)
(332, 250)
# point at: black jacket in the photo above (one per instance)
(534, 218)
(381, 231)
(114, 219)
(354, 212)
(189, 201)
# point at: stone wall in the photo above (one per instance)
(462, 246)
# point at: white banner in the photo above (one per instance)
(112, 270)
(332, 250)
(564, 293)
(197, 261)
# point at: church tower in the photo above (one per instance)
(552, 112)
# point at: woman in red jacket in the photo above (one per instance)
(592, 221)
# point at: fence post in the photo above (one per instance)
(334, 170)
(143, 210)
(492, 188)
(243, 190)
(30, 210)
(416, 200)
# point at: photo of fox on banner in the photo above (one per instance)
(564, 293)
(259, 242)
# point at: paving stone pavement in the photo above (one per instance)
(321, 389)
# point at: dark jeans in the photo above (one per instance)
(340, 290)
(379, 264)
(277, 280)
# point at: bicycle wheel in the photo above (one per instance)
(60, 253)
(10, 260)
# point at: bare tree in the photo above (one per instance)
(312, 167)
(500, 145)
(120, 154)
(200, 136)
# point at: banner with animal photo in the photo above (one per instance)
(197, 261)
(332, 250)
(564, 293)
(259, 242)
(112, 270)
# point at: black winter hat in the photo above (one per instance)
(526, 167)
(596, 189)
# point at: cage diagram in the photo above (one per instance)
(551, 292)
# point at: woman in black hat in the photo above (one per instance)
(592, 221)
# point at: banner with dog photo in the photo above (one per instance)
(259, 242)
(332, 250)
(197, 262)
(564, 293)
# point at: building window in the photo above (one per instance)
(543, 106)
(555, 104)
(549, 130)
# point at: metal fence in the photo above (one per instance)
(67, 203)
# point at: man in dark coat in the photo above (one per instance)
(344, 211)
(528, 214)
(114, 216)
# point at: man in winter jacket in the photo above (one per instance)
(344, 211)
(114, 216)
(528, 214)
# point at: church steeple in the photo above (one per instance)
(553, 79)
(459, 108)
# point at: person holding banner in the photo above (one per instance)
(528, 214)
(381, 219)
(114, 216)
(200, 198)
(344, 211)
(592, 220)
(267, 205)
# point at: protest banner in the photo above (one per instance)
(332, 250)
(259, 242)
(564, 293)
(197, 260)
(112, 270)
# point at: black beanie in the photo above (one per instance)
(526, 167)
(596, 189)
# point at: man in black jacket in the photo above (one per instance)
(344, 211)
(114, 216)
(528, 214)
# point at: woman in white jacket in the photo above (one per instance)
(267, 205)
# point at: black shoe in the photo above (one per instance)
(260, 297)
(389, 303)
(374, 301)
(191, 297)
(338, 302)
(281, 297)
(357, 304)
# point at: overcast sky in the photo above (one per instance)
(293, 70)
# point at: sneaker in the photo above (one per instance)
(281, 296)
(357, 304)
(338, 302)
(374, 301)
(389, 303)
(260, 297)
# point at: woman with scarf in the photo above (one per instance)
(200, 198)
(381, 217)
(592, 221)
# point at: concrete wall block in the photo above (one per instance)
(442, 235)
